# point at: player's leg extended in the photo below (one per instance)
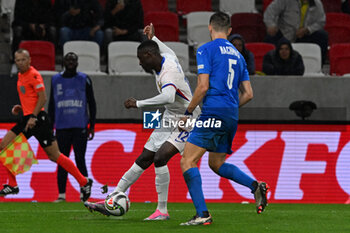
(56, 156)
(229, 171)
(189, 160)
(232, 172)
(135, 171)
(155, 141)
(48, 142)
(161, 158)
(11, 187)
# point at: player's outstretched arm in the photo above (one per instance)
(149, 31)
(166, 97)
(163, 48)
(246, 93)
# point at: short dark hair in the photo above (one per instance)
(148, 46)
(71, 54)
(220, 21)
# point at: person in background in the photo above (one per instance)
(123, 19)
(283, 60)
(79, 20)
(35, 122)
(33, 20)
(239, 43)
(74, 124)
(298, 21)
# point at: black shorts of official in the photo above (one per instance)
(42, 130)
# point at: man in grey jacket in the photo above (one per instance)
(297, 21)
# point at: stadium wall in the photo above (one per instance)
(272, 96)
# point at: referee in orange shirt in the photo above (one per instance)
(35, 121)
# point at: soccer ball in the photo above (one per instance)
(117, 203)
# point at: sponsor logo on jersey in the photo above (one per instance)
(22, 89)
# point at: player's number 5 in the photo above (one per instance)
(231, 73)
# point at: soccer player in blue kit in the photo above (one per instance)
(224, 86)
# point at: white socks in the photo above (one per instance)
(162, 183)
(162, 186)
(129, 178)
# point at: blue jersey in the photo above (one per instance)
(70, 101)
(227, 69)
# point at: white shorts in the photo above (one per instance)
(174, 136)
(178, 139)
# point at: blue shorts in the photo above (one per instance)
(214, 139)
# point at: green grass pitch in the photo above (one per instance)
(227, 217)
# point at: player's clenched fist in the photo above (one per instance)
(16, 109)
(130, 103)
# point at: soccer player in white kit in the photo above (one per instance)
(175, 95)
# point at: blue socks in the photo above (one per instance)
(194, 184)
(232, 172)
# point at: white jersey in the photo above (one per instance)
(171, 74)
